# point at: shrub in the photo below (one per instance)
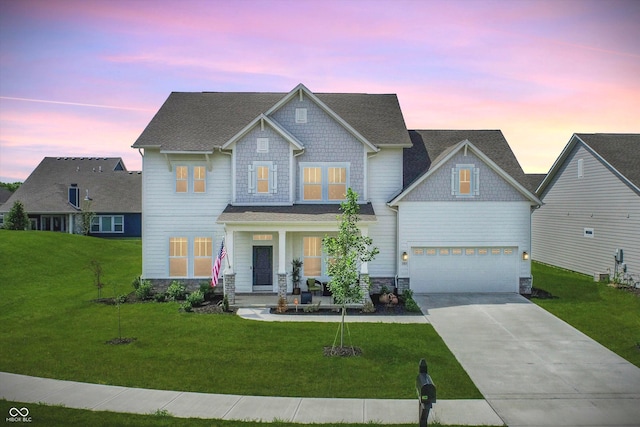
(195, 298)
(144, 290)
(136, 282)
(186, 306)
(176, 291)
(17, 218)
(206, 289)
(225, 303)
(120, 299)
(409, 303)
(368, 307)
(282, 305)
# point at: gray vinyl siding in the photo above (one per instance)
(169, 214)
(599, 200)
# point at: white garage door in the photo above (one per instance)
(468, 269)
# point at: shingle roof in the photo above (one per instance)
(111, 187)
(288, 214)
(620, 150)
(4, 195)
(429, 145)
(202, 121)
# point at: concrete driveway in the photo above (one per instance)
(533, 368)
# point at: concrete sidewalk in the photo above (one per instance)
(264, 314)
(72, 394)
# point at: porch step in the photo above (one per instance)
(263, 289)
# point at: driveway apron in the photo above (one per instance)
(533, 368)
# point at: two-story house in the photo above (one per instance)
(266, 172)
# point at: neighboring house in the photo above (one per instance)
(591, 207)
(464, 214)
(267, 172)
(60, 188)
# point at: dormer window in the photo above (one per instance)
(74, 196)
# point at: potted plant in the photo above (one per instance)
(296, 269)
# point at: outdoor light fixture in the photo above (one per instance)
(525, 255)
(405, 256)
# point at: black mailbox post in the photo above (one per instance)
(426, 390)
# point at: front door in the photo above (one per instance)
(262, 266)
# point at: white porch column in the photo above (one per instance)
(282, 252)
(229, 245)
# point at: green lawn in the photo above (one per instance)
(52, 328)
(608, 315)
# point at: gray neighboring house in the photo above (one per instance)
(56, 191)
(4, 195)
(591, 206)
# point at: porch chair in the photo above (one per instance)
(314, 285)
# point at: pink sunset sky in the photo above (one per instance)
(84, 78)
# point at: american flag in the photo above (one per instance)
(216, 264)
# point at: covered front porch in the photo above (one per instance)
(262, 241)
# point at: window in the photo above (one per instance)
(312, 256)
(263, 178)
(182, 179)
(456, 251)
(262, 145)
(107, 224)
(312, 183)
(178, 257)
(465, 180)
(263, 237)
(337, 183)
(418, 251)
(202, 257)
(324, 182)
(301, 115)
(444, 251)
(469, 251)
(199, 179)
(74, 195)
(588, 232)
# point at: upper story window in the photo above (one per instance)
(465, 180)
(263, 178)
(198, 178)
(74, 195)
(324, 182)
(182, 179)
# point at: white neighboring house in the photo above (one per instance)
(267, 172)
(591, 208)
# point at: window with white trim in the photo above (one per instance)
(263, 178)
(202, 250)
(199, 179)
(324, 182)
(312, 256)
(182, 179)
(107, 224)
(465, 180)
(178, 256)
(196, 174)
(580, 168)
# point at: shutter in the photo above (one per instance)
(476, 181)
(274, 179)
(250, 180)
(453, 182)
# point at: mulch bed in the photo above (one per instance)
(381, 310)
(342, 351)
(117, 341)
